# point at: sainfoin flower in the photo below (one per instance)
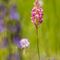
(37, 13)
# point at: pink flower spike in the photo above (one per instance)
(37, 13)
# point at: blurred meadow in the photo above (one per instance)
(49, 31)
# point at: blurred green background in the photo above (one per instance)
(49, 30)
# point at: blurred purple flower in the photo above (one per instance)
(16, 40)
(2, 11)
(13, 13)
(2, 26)
(14, 28)
(23, 43)
(1, 17)
(14, 56)
(4, 43)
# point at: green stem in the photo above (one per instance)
(20, 53)
(9, 48)
(37, 43)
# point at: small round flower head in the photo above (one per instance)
(2, 11)
(21, 43)
(13, 13)
(24, 43)
(37, 13)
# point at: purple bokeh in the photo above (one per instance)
(14, 56)
(13, 13)
(2, 11)
(21, 43)
(2, 26)
(14, 28)
(24, 43)
(4, 43)
(16, 40)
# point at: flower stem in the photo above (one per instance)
(20, 53)
(37, 43)
(9, 48)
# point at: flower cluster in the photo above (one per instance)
(37, 13)
(24, 43)
(12, 25)
(21, 43)
(37, 19)
(14, 17)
